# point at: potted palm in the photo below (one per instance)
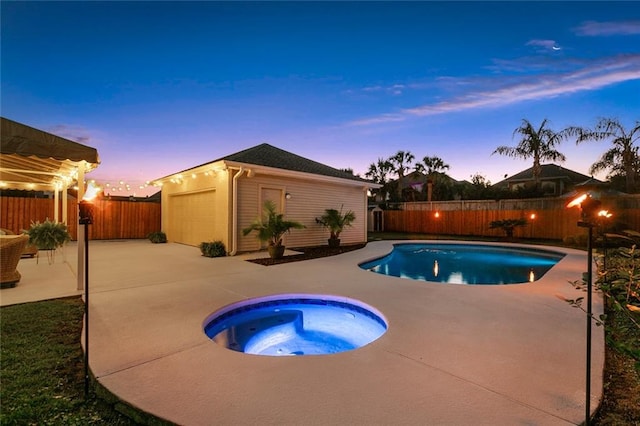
(336, 221)
(508, 225)
(271, 227)
(48, 235)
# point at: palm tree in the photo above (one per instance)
(623, 159)
(336, 221)
(400, 162)
(537, 144)
(271, 228)
(430, 166)
(379, 173)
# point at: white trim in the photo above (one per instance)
(272, 171)
(80, 232)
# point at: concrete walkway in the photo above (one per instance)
(453, 354)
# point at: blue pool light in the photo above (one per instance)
(287, 325)
(465, 263)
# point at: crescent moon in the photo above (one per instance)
(556, 47)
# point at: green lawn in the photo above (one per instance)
(42, 367)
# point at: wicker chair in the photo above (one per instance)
(29, 251)
(11, 248)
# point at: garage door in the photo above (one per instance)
(192, 217)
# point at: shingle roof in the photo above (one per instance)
(270, 156)
(549, 171)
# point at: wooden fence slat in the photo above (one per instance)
(112, 219)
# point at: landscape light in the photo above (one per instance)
(85, 207)
(589, 219)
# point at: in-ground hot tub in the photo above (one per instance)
(295, 324)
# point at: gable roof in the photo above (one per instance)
(418, 177)
(269, 156)
(548, 172)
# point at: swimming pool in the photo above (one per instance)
(460, 263)
(295, 324)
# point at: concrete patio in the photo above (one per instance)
(453, 354)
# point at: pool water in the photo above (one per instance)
(294, 325)
(465, 263)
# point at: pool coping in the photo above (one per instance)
(452, 354)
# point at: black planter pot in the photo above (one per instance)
(276, 252)
(334, 242)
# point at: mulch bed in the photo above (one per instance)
(308, 253)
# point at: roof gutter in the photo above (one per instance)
(234, 208)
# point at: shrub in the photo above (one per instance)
(157, 237)
(213, 249)
(618, 278)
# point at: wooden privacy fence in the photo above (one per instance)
(551, 220)
(135, 219)
(111, 219)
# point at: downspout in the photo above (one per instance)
(234, 212)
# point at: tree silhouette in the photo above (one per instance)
(379, 173)
(623, 158)
(400, 161)
(538, 144)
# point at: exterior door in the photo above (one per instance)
(275, 195)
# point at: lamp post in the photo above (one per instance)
(86, 218)
(589, 219)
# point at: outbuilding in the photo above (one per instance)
(216, 200)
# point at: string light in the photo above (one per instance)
(127, 188)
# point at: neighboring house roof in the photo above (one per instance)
(420, 178)
(548, 172)
(269, 156)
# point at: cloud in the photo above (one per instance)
(76, 134)
(543, 45)
(594, 28)
(384, 118)
(394, 89)
(498, 92)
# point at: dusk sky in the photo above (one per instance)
(159, 87)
